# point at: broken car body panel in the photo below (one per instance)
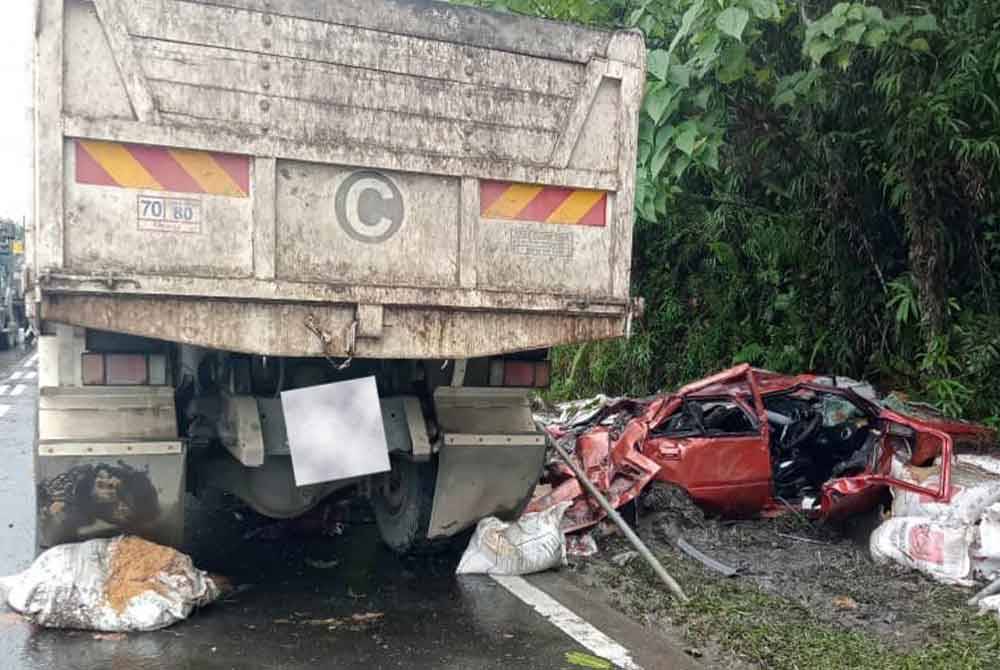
(748, 441)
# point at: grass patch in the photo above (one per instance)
(775, 632)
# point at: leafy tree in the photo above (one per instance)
(817, 189)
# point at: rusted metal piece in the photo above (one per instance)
(705, 559)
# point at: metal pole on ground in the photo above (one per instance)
(630, 535)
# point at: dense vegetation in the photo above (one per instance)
(817, 191)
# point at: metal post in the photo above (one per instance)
(643, 550)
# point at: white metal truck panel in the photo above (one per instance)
(90, 92)
(341, 225)
(453, 171)
(128, 230)
(527, 256)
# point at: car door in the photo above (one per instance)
(907, 440)
(717, 448)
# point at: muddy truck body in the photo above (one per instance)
(286, 247)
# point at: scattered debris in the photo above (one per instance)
(624, 558)
(109, 637)
(705, 560)
(357, 622)
(268, 533)
(990, 604)
(533, 543)
(954, 541)
(799, 539)
(584, 660)
(845, 603)
(581, 545)
(992, 588)
(111, 585)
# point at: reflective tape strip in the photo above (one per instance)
(110, 448)
(542, 204)
(476, 440)
(161, 169)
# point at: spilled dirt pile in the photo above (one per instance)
(136, 567)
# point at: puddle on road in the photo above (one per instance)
(367, 607)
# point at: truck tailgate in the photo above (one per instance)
(412, 178)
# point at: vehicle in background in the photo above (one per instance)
(240, 203)
(12, 316)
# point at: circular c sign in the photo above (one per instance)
(369, 207)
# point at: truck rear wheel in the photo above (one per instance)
(403, 507)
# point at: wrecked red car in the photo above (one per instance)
(747, 442)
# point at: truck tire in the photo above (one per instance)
(403, 507)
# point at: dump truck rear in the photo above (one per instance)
(285, 247)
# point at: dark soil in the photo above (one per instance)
(789, 570)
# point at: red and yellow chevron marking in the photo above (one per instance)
(161, 169)
(548, 204)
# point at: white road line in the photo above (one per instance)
(4, 409)
(4, 388)
(16, 375)
(18, 390)
(589, 637)
(30, 375)
(32, 360)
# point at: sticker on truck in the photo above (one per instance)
(551, 244)
(151, 168)
(174, 215)
(542, 204)
(369, 207)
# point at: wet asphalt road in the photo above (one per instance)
(290, 582)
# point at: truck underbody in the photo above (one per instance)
(128, 426)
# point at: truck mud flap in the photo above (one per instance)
(108, 461)
(88, 490)
(484, 475)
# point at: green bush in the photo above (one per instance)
(817, 190)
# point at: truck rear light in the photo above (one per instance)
(524, 374)
(124, 369)
(93, 369)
